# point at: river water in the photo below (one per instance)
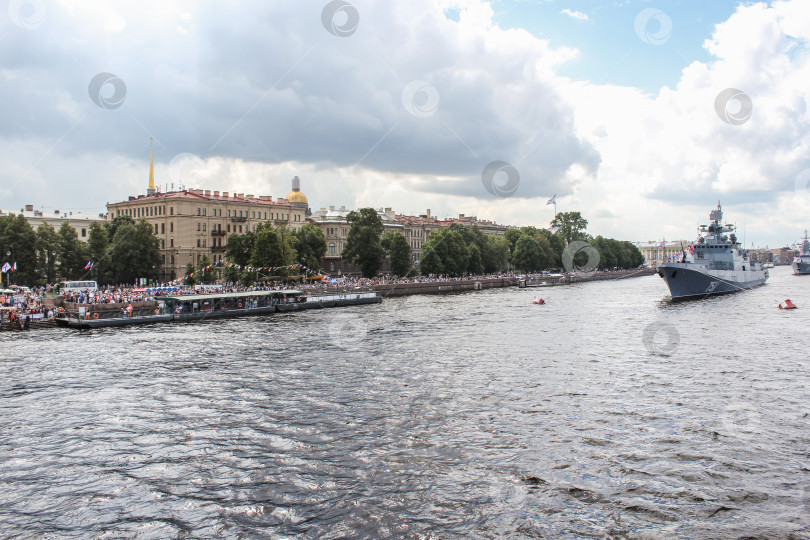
(606, 412)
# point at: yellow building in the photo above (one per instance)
(194, 223)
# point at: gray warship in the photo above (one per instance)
(801, 264)
(717, 264)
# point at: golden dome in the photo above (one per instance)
(296, 196)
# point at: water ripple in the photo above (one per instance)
(464, 415)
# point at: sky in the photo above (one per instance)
(641, 115)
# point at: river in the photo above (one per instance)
(606, 412)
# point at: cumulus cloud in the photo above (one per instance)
(673, 152)
(406, 111)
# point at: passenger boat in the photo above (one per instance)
(218, 305)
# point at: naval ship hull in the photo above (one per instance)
(801, 268)
(686, 280)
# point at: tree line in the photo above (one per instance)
(265, 247)
(458, 250)
(121, 251)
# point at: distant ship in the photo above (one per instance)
(717, 264)
(801, 264)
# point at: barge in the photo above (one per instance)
(194, 307)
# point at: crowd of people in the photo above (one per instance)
(29, 304)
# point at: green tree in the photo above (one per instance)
(72, 253)
(97, 246)
(289, 255)
(231, 274)
(607, 253)
(47, 251)
(134, 252)
(495, 255)
(476, 265)
(570, 226)
(267, 247)
(398, 249)
(430, 263)
(112, 226)
(528, 255)
(310, 244)
(453, 253)
(240, 248)
(363, 247)
(511, 237)
(18, 244)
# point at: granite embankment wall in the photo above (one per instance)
(436, 287)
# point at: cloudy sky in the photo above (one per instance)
(639, 114)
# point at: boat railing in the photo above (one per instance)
(336, 291)
(89, 315)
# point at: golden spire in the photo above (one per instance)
(151, 189)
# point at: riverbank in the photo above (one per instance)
(385, 290)
(536, 280)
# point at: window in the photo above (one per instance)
(198, 225)
(203, 226)
(163, 245)
(198, 242)
(198, 211)
(171, 244)
(156, 228)
(203, 242)
(229, 227)
(240, 228)
(265, 215)
(203, 211)
(171, 210)
(162, 228)
(171, 226)
(253, 215)
(331, 248)
(172, 258)
(84, 233)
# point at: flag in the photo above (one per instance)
(552, 200)
(89, 266)
(6, 268)
(662, 244)
(14, 268)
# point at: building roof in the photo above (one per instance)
(55, 215)
(297, 196)
(207, 195)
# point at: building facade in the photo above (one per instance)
(78, 220)
(654, 252)
(335, 228)
(194, 223)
